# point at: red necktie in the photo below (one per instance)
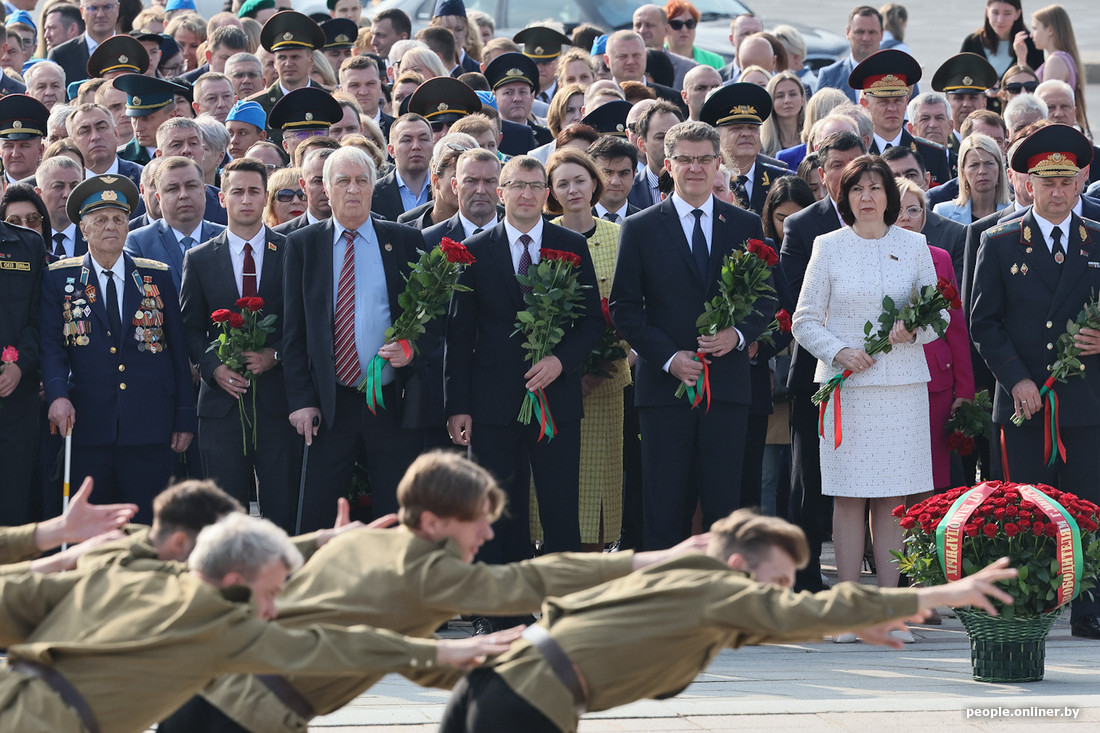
(248, 279)
(347, 356)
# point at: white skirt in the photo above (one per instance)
(886, 448)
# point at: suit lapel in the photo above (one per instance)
(323, 270)
(501, 254)
(171, 247)
(226, 278)
(271, 269)
(721, 243)
(679, 241)
(390, 265)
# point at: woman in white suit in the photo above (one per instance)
(885, 453)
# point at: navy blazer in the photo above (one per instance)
(213, 211)
(450, 228)
(516, 139)
(640, 194)
(792, 157)
(485, 361)
(72, 56)
(209, 283)
(799, 232)
(122, 395)
(131, 170)
(947, 191)
(657, 295)
(158, 242)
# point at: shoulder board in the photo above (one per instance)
(67, 262)
(778, 169)
(1008, 226)
(1090, 223)
(151, 264)
(928, 143)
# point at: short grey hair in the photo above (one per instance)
(244, 57)
(70, 125)
(50, 166)
(174, 123)
(1052, 84)
(398, 49)
(1024, 105)
(926, 98)
(349, 154)
(214, 134)
(859, 115)
(149, 172)
(725, 174)
(58, 115)
(448, 143)
(42, 66)
(238, 543)
(691, 131)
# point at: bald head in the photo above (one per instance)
(651, 23)
(700, 81)
(830, 124)
(756, 51)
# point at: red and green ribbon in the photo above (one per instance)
(696, 392)
(372, 383)
(540, 406)
(949, 532)
(833, 385)
(1052, 436)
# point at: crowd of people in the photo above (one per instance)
(161, 168)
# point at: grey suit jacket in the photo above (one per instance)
(836, 75)
(158, 242)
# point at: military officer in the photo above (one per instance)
(22, 128)
(886, 79)
(964, 78)
(340, 35)
(149, 102)
(514, 80)
(116, 56)
(291, 37)
(114, 353)
(300, 115)
(543, 46)
(738, 110)
(609, 119)
(443, 101)
(648, 634)
(1035, 274)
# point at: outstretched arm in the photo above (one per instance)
(82, 521)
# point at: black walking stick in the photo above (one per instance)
(302, 483)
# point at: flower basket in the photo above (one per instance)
(1007, 650)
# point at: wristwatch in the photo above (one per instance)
(278, 357)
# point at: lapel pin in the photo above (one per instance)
(1028, 250)
(1059, 257)
(1023, 270)
(1014, 269)
(722, 218)
(271, 246)
(1084, 253)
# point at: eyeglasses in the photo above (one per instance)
(677, 25)
(31, 221)
(912, 212)
(106, 8)
(271, 168)
(1021, 86)
(690, 160)
(517, 186)
(286, 195)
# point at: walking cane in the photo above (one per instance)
(68, 471)
(302, 483)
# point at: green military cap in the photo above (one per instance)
(308, 108)
(250, 8)
(289, 29)
(741, 103)
(147, 94)
(22, 117)
(889, 73)
(542, 44)
(609, 118)
(340, 33)
(1052, 151)
(118, 54)
(965, 73)
(444, 99)
(102, 192)
(510, 67)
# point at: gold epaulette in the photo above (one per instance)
(67, 262)
(151, 264)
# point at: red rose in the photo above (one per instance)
(977, 521)
(899, 511)
(1011, 510)
(999, 513)
(1087, 524)
(255, 304)
(955, 441)
(221, 315)
(1023, 523)
(949, 292)
(783, 318)
(10, 355)
(971, 530)
(907, 522)
(364, 501)
(1000, 501)
(1051, 529)
(1037, 528)
(1024, 514)
(990, 530)
(456, 252)
(605, 306)
(967, 446)
(1011, 529)
(236, 320)
(242, 302)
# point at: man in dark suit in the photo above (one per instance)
(56, 179)
(361, 78)
(100, 20)
(799, 232)
(626, 58)
(488, 375)
(292, 38)
(738, 110)
(408, 185)
(617, 160)
(93, 130)
(341, 281)
(516, 139)
(668, 266)
(180, 191)
(1034, 274)
(126, 377)
(244, 261)
(650, 127)
(864, 33)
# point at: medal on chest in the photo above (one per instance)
(149, 319)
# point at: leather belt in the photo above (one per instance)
(62, 687)
(288, 695)
(559, 662)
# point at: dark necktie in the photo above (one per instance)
(347, 355)
(59, 245)
(479, 230)
(248, 273)
(699, 245)
(611, 216)
(186, 243)
(525, 260)
(1057, 250)
(741, 192)
(114, 317)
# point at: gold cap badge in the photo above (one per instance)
(109, 196)
(287, 36)
(309, 115)
(17, 124)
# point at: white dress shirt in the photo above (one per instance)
(468, 227)
(516, 247)
(236, 254)
(883, 143)
(119, 270)
(196, 237)
(602, 212)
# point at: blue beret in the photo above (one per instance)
(179, 5)
(21, 16)
(449, 7)
(487, 98)
(599, 46)
(250, 112)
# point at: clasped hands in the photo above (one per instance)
(685, 365)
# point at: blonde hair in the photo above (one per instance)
(751, 535)
(769, 131)
(978, 141)
(1057, 19)
(280, 178)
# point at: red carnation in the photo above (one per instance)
(221, 315)
(255, 304)
(1011, 529)
(783, 318)
(243, 302)
(236, 320)
(456, 252)
(990, 530)
(10, 355)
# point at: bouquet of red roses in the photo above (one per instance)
(1050, 536)
(428, 289)
(969, 421)
(742, 281)
(608, 351)
(553, 297)
(924, 310)
(244, 331)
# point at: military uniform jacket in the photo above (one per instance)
(109, 632)
(17, 543)
(764, 175)
(1022, 303)
(135, 153)
(932, 154)
(393, 579)
(648, 634)
(124, 392)
(22, 261)
(267, 99)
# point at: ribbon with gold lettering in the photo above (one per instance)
(1070, 559)
(949, 532)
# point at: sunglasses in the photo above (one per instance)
(31, 221)
(1021, 86)
(679, 25)
(286, 195)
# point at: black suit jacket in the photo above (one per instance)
(309, 362)
(384, 121)
(764, 174)
(670, 95)
(209, 283)
(640, 195)
(799, 232)
(657, 296)
(387, 197)
(932, 154)
(948, 235)
(516, 139)
(419, 217)
(485, 362)
(450, 228)
(72, 56)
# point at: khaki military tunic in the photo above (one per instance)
(394, 579)
(138, 644)
(17, 545)
(649, 634)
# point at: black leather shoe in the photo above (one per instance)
(481, 625)
(1087, 627)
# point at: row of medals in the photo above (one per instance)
(149, 321)
(77, 323)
